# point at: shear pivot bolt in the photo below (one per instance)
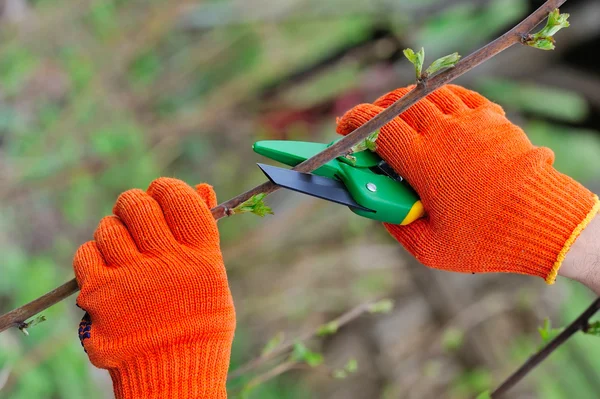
(371, 187)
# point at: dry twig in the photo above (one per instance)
(580, 324)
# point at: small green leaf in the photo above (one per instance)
(543, 40)
(328, 329)
(254, 204)
(367, 144)
(452, 339)
(556, 21)
(339, 374)
(484, 395)
(545, 43)
(594, 329)
(301, 353)
(351, 366)
(313, 359)
(273, 344)
(417, 59)
(24, 326)
(383, 306)
(547, 332)
(37, 320)
(448, 61)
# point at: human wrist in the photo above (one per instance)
(582, 262)
(185, 370)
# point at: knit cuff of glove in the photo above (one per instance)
(555, 209)
(190, 371)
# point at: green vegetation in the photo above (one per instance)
(98, 98)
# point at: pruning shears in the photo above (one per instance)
(363, 181)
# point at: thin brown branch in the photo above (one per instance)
(269, 375)
(285, 348)
(18, 316)
(580, 324)
(343, 146)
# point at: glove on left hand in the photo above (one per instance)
(161, 316)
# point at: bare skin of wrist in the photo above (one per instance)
(582, 262)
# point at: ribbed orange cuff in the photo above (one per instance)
(185, 371)
(555, 209)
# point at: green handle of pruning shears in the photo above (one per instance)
(392, 201)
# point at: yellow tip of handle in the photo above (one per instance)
(416, 212)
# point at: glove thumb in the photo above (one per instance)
(207, 193)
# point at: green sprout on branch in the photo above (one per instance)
(24, 326)
(593, 329)
(254, 204)
(452, 339)
(547, 332)
(544, 39)
(367, 144)
(447, 61)
(350, 367)
(383, 306)
(418, 59)
(328, 329)
(302, 354)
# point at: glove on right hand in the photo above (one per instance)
(494, 202)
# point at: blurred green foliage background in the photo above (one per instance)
(97, 97)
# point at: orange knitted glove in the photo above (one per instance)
(160, 314)
(494, 202)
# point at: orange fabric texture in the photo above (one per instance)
(161, 316)
(494, 202)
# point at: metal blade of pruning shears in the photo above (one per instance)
(313, 185)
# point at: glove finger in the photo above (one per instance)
(473, 99)
(187, 213)
(145, 221)
(420, 116)
(417, 238)
(447, 101)
(396, 140)
(88, 265)
(115, 243)
(208, 194)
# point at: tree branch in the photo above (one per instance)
(514, 36)
(580, 324)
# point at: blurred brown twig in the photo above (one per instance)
(580, 324)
